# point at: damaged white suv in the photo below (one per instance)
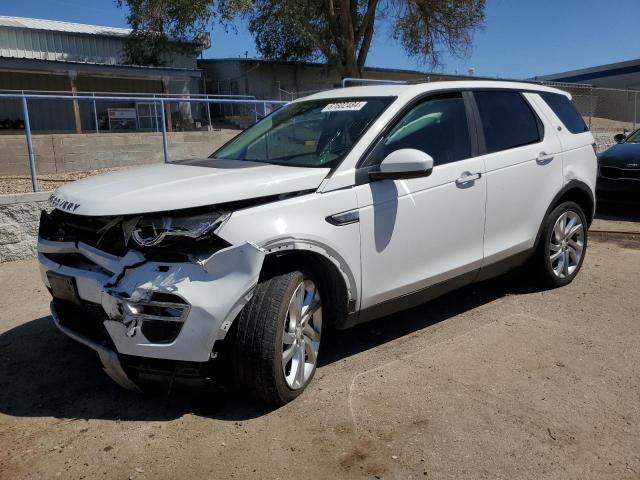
(337, 208)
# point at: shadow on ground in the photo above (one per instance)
(45, 374)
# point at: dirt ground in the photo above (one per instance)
(599, 125)
(497, 380)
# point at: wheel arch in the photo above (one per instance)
(578, 192)
(574, 191)
(336, 281)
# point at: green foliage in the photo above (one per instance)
(163, 27)
(423, 26)
(278, 29)
(338, 31)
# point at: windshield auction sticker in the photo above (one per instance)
(344, 107)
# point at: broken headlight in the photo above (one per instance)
(150, 231)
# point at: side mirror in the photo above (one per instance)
(619, 138)
(404, 163)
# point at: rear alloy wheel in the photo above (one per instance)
(563, 245)
(566, 244)
(277, 339)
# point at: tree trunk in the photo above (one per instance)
(351, 68)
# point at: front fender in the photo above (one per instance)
(300, 223)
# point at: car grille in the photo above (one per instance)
(616, 173)
(104, 233)
(108, 235)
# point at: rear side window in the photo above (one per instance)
(565, 111)
(507, 120)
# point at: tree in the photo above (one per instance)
(163, 26)
(339, 32)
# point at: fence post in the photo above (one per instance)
(155, 114)
(27, 131)
(165, 146)
(635, 109)
(95, 113)
(590, 105)
(208, 105)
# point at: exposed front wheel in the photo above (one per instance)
(563, 245)
(278, 337)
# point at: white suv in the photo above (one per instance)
(337, 208)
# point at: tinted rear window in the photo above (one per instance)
(566, 112)
(507, 120)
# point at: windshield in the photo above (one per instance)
(633, 138)
(316, 133)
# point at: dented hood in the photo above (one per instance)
(175, 186)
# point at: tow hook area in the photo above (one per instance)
(110, 362)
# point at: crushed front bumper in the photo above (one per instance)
(210, 292)
(110, 361)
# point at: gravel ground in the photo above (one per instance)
(22, 184)
(606, 125)
(497, 380)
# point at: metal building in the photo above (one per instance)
(285, 80)
(45, 55)
(624, 75)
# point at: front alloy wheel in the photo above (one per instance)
(301, 335)
(277, 340)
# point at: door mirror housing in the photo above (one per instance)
(619, 138)
(404, 163)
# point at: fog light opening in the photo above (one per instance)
(158, 321)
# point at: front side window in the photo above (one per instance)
(315, 133)
(438, 126)
(507, 120)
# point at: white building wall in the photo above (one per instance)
(60, 46)
(104, 48)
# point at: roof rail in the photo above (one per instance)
(369, 80)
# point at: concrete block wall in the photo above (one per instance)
(14, 159)
(63, 153)
(19, 220)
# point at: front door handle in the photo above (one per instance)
(467, 177)
(544, 158)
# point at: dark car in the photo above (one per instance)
(619, 170)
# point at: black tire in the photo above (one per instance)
(257, 350)
(541, 260)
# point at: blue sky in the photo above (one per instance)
(521, 38)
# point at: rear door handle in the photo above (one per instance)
(467, 177)
(543, 158)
